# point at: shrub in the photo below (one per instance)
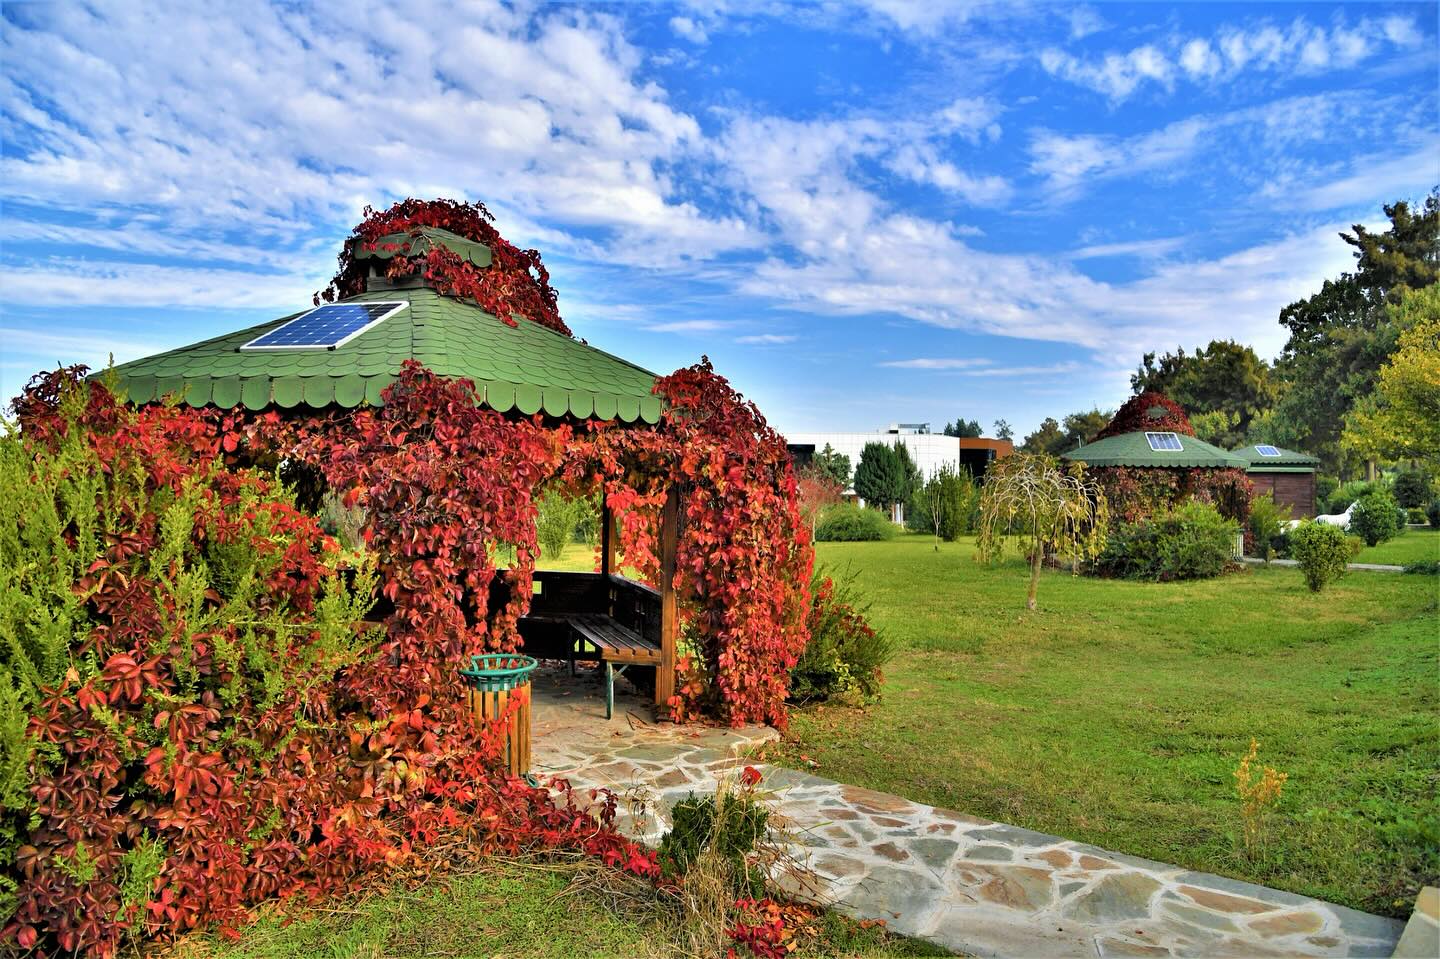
(1376, 517)
(1415, 516)
(942, 506)
(1192, 541)
(844, 654)
(170, 751)
(1347, 493)
(557, 520)
(1432, 513)
(1322, 552)
(1266, 525)
(1325, 487)
(1424, 567)
(726, 827)
(1257, 796)
(1413, 488)
(849, 523)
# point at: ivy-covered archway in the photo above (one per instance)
(447, 418)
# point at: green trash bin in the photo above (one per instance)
(494, 679)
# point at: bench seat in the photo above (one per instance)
(616, 645)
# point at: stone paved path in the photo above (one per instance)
(1367, 567)
(971, 885)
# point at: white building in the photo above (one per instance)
(929, 450)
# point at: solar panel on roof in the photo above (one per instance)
(325, 328)
(1267, 450)
(1163, 442)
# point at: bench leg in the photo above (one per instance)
(609, 689)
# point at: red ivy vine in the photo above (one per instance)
(515, 282)
(1152, 411)
(244, 760)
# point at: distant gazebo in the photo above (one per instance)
(344, 355)
(1288, 476)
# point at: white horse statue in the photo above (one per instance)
(1341, 520)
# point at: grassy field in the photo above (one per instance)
(1116, 713)
(505, 909)
(1413, 546)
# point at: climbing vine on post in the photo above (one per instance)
(1045, 508)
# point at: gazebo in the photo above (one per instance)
(343, 355)
(1155, 450)
(1145, 470)
(1286, 475)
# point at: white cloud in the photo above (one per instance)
(1142, 249)
(687, 326)
(1300, 48)
(690, 29)
(1370, 176)
(766, 339)
(939, 363)
(542, 111)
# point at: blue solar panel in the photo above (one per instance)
(1267, 451)
(324, 328)
(1163, 442)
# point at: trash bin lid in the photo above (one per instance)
(492, 671)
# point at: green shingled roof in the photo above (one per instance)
(527, 368)
(420, 241)
(1287, 462)
(1132, 449)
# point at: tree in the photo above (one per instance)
(908, 470)
(1055, 438)
(1223, 378)
(880, 478)
(1342, 335)
(1401, 419)
(834, 465)
(1003, 430)
(1047, 439)
(816, 490)
(943, 499)
(1082, 428)
(963, 427)
(1046, 508)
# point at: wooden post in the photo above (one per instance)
(607, 538)
(669, 618)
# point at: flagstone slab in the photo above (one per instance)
(978, 887)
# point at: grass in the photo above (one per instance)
(1412, 546)
(1116, 713)
(502, 908)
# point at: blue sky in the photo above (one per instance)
(862, 212)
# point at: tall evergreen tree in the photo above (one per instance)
(1342, 335)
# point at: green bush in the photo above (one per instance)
(848, 523)
(729, 825)
(556, 521)
(1322, 552)
(1432, 513)
(844, 655)
(1376, 517)
(1325, 487)
(1413, 488)
(955, 493)
(1424, 567)
(1192, 541)
(1415, 516)
(1347, 493)
(1266, 525)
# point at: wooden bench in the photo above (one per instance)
(616, 645)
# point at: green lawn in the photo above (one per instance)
(1412, 546)
(510, 909)
(1116, 713)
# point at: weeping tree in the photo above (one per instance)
(1046, 508)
